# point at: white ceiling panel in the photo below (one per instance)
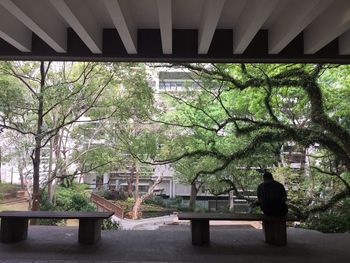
(187, 14)
(319, 21)
(230, 13)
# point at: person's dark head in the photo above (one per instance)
(267, 176)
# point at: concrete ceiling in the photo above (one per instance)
(176, 30)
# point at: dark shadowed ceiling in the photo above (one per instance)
(176, 30)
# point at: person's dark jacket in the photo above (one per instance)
(272, 198)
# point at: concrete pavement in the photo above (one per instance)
(173, 244)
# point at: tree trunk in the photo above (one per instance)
(29, 193)
(193, 196)
(138, 199)
(20, 172)
(136, 208)
(38, 140)
(130, 181)
(137, 183)
(57, 156)
(49, 175)
(36, 175)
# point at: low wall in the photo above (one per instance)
(105, 205)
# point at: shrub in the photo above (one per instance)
(73, 199)
(336, 220)
(8, 190)
(108, 224)
(176, 202)
(155, 200)
(67, 199)
(113, 195)
(329, 223)
(45, 205)
(79, 202)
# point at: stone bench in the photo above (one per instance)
(275, 229)
(14, 224)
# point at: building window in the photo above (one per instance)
(143, 188)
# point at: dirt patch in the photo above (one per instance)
(14, 206)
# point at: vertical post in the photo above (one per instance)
(0, 163)
(14, 229)
(231, 201)
(170, 188)
(174, 187)
(200, 232)
(89, 230)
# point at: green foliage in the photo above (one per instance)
(113, 195)
(80, 202)
(235, 121)
(108, 224)
(67, 199)
(240, 116)
(127, 103)
(98, 158)
(46, 205)
(7, 188)
(329, 223)
(155, 200)
(296, 184)
(73, 199)
(176, 203)
(126, 204)
(336, 220)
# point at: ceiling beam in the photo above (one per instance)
(43, 23)
(165, 24)
(250, 21)
(79, 17)
(14, 32)
(124, 25)
(344, 43)
(328, 26)
(211, 13)
(292, 21)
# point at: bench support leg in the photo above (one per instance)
(200, 232)
(89, 231)
(14, 229)
(275, 232)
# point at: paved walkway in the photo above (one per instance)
(156, 222)
(145, 224)
(172, 244)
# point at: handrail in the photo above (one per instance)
(107, 205)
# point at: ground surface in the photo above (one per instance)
(15, 206)
(23, 206)
(172, 244)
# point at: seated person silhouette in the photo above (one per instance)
(272, 197)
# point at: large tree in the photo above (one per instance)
(249, 111)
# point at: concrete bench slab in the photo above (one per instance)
(275, 229)
(14, 224)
